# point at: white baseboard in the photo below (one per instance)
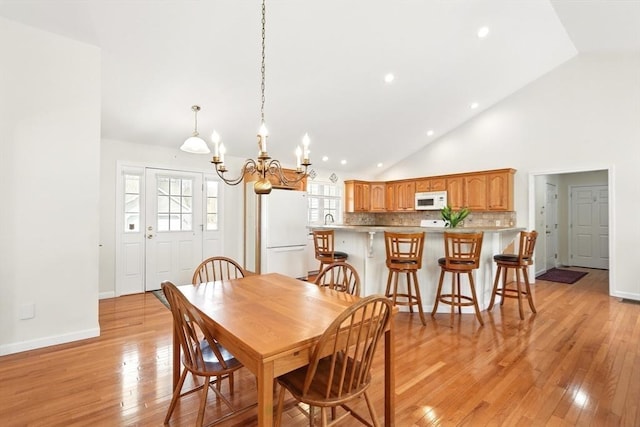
(105, 295)
(48, 341)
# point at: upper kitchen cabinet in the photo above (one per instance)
(481, 191)
(357, 196)
(431, 184)
(378, 193)
(403, 195)
(500, 190)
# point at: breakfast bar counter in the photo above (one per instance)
(366, 249)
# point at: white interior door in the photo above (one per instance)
(551, 226)
(590, 226)
(173, 226)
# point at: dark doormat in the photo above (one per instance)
(160, 295)
(562, 276)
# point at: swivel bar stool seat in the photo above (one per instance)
(519, 262)
(462, 256)
(404, 256)
(323, 243)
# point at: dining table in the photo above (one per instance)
(271, 323)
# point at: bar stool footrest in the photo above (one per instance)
(462, 300)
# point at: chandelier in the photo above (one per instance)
(263, 166)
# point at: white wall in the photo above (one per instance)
(129, 153)
(49, 170)
(584, 115)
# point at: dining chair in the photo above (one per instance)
(341, 277)
(202, 355)
(217, 268)
(519, 262)
(323, 243)
(339, 368)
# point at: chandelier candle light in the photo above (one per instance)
(264, 165)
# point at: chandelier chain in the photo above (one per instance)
(262, 67)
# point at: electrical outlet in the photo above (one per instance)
(497, 223)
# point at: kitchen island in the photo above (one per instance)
(366, 249)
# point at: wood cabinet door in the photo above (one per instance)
(390, 197)
(455, 192)
(405, 195)
(362, 198)
(475, 188)
(500, 191)
(423, 185)
(437, 184)
(377, 197)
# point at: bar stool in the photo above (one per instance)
(461, 255)
(520, 263)
(323, 242)
(404, 255)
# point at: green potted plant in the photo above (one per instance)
(453, 218)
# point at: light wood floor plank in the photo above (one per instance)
(577, 362)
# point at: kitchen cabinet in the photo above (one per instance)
(500, 190)
(475, 192)
(378, 193)
(431, 184)
(357, 196)
(455, 192)
(403, 195)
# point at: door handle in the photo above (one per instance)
(149, 236)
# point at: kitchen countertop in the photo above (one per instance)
(410, 229)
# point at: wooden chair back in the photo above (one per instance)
(340, 276)
(527, 247)
(462, 250)
(217, 268)
(404, 250)
(200, 352)
(340, 365)
(323, 243)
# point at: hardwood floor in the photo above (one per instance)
(577, 362)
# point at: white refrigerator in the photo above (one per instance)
(276, 232)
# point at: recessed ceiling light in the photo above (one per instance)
(343, 162)
(483, 32)
(473, 105)
(389, 78)
(430, 132)
(325, 158)
(379, 165)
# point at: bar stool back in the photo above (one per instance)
(520, 263)
(462, 255)
(323, 242)
(404, 255)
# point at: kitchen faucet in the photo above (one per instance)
(328, 216)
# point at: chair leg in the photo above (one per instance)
(504, 285)
(176, 395)
(372, 410)
(495, 287)
(475, 299)
(409, 294)
(453, 297)
(414, 276)
(519, 291)
(323, 417)
(387, 291)
(435, 304)
(203, 402)
(525, 273)
(278, 419)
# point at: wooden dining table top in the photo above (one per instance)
(269, 311)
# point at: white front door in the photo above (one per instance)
(590, 226)
(173, 226)
(551, 226)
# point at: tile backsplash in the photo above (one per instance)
(412, 219)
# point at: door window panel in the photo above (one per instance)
(175, 204)
(212, 205)
(131, 203)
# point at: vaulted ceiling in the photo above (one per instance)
(326, 63)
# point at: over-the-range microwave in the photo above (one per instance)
(431, 200)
